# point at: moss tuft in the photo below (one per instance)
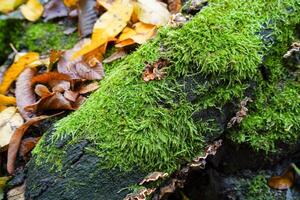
(151, 125)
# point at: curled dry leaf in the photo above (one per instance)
(41, 90)
(154, 176)
(174, 6)
(16, 138)
(27, 145)
(59, 85)
(140, 194)
(32, 10)
(109, 25)
(88, 88)
(79, 101)
(155, 70)
(284, 181)
(152, 12)
(49, 76)
(24, 92)
(10, 120)
(15, 70)
(87, 16)
(71, 95)
(55, 9)
(54, 101)
(7, 100)
(120, 53)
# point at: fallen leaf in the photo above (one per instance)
(55, 9)
(140, 34)
(155, 70)
(10, 120)
(59, 85)
(27, 145)
(87, 16)
(24, 92)
(105, 3)
(3, 181)
(79, 101)
(109, 25)
(49, 76)
(284, 181)
(84, 71)
(17, 193)
(152, 12)
(7, 6)
(2, 108)
(70, 3)
(7, 100)
(55, 55)
(89, 88)
(154, 176)
(174, 6)
(15, 70)
(54, 101)
(16, 138)
(71, 95)
(41, 90)
(32, 10)
(120, 53)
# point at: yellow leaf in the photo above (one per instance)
(109, 25)
(32, 10)
(70, 3)
(3, 181)
(7, 6)
(15, 70)
(5, 100)
(152, 12)
(140, 34)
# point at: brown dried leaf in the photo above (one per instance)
(155, 70)
(120, 53)
(154, 176)
(27, 145)
(55, 55)
(79, 101)
(87, 16)
(140, 194)
(174, 6)
(59, 85)
(54, 101)
(284, 181)
(55, 9)
(24, 92)
(41, 90)
(88, 88)
(49, 76)
(71, 95)
(15, 141)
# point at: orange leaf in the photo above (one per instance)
(32, 10)
(6, 100)
(2, 108)
(174, 6)
(70, 3)
(284, 181)
(42, 90)
(49, 76)
(16, 140)
(109, 25)
(24, 92)
(15, 70)
(54, 57)
(27, 145)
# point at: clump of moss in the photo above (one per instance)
(42, 37)
(150, 125)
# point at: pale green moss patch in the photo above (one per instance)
(150, 125)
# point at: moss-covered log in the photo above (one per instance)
(232, 49)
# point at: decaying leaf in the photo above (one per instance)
(59, 85)
(120, 53)
(88, 88)
(10, 120)
(27, 145)
(241, 114)
(41, 90)
(174, 6)
(32, 10)
(284, 181)
(24, 92)
(49, 76)
(7, 100)
(109, 25)
(17, 193)
(55, 9)
(7, 6)
(155, 70)
(140, 33)
(71, 95)
(79, 101)
(87, 16)
(16, 138)
(154, 176)
(152, 12)
(139, 194)
(3, 181)
(15, 70)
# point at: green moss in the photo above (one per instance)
(150, 125)
(42, 37)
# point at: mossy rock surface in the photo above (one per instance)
(216, 60)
